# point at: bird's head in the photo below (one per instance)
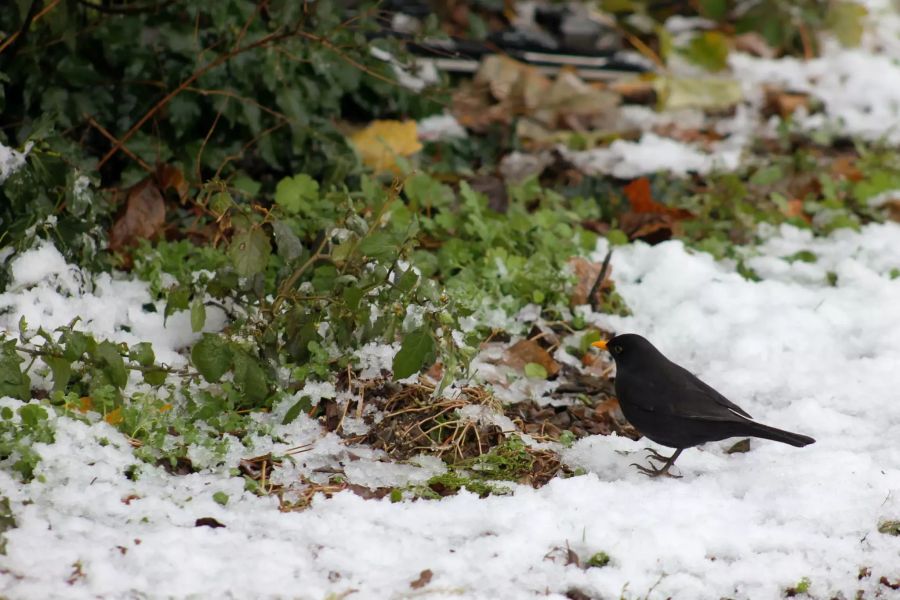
(628, 348)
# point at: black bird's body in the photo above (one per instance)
(672, 407)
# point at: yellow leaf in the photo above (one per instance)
(382, 142)
(114, 417)
(85, 404)
(165, 407)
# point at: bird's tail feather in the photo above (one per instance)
(780, 435)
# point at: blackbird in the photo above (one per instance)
(672, 407)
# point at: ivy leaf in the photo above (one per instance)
(416, 350)
(250, 377)
(303, 404)
(249, 251)
(198, 314)
(292, 193)
(211, 356)
(289, 246)
(112, 363)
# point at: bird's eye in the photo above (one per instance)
(617, 349)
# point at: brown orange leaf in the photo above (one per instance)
(143, 217)
(114, 417)
(423, 580)
(528, 351)
(640, 196)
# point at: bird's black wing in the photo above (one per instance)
(694, 399)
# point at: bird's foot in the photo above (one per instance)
(651, 471)
(654, 455)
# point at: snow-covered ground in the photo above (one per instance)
(792, 350)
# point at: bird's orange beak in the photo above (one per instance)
(600, 344)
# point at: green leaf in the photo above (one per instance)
(62, 371)
(708, 49)
(617, 237)
(177, 298)
(292, 193)
(142, 354)
(407, 281)
(155, 377)
(220, 203)
(806, 256)
(716, 10)
(289, 246)
(249, 251)
(112, 363)
(846, 20)
(76, 344)
(211, 356)
(352, 296)
(198, 314)
(416, 350)
(246, 185)
(6, 413)
(32, 414)
(378, 245)
(301, 405)
(535, 371)
(250, 377)
(221, 498)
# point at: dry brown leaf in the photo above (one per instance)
(635, 91)
(143, 218)
(845, 167)
(423, 580)
(529, 351)
(640, 196)
(753, 43)
(586, 273)
(382, 142)
(170, 177)
(783, 103)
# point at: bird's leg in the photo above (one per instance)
(663, 470)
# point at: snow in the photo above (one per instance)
(792, 349)
(12, 160)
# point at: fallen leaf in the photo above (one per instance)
(845, 167)
(739, 447)
(382, 142)
(753, 43)
(127, 499)
(524, 352)
(894, 585)
(143, 217)
(704, 93)
(423, 580)
(640, 196)
(114, 417)
(207, 522)
(783, 103)
(586, 274)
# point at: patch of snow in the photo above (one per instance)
(12, 160)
